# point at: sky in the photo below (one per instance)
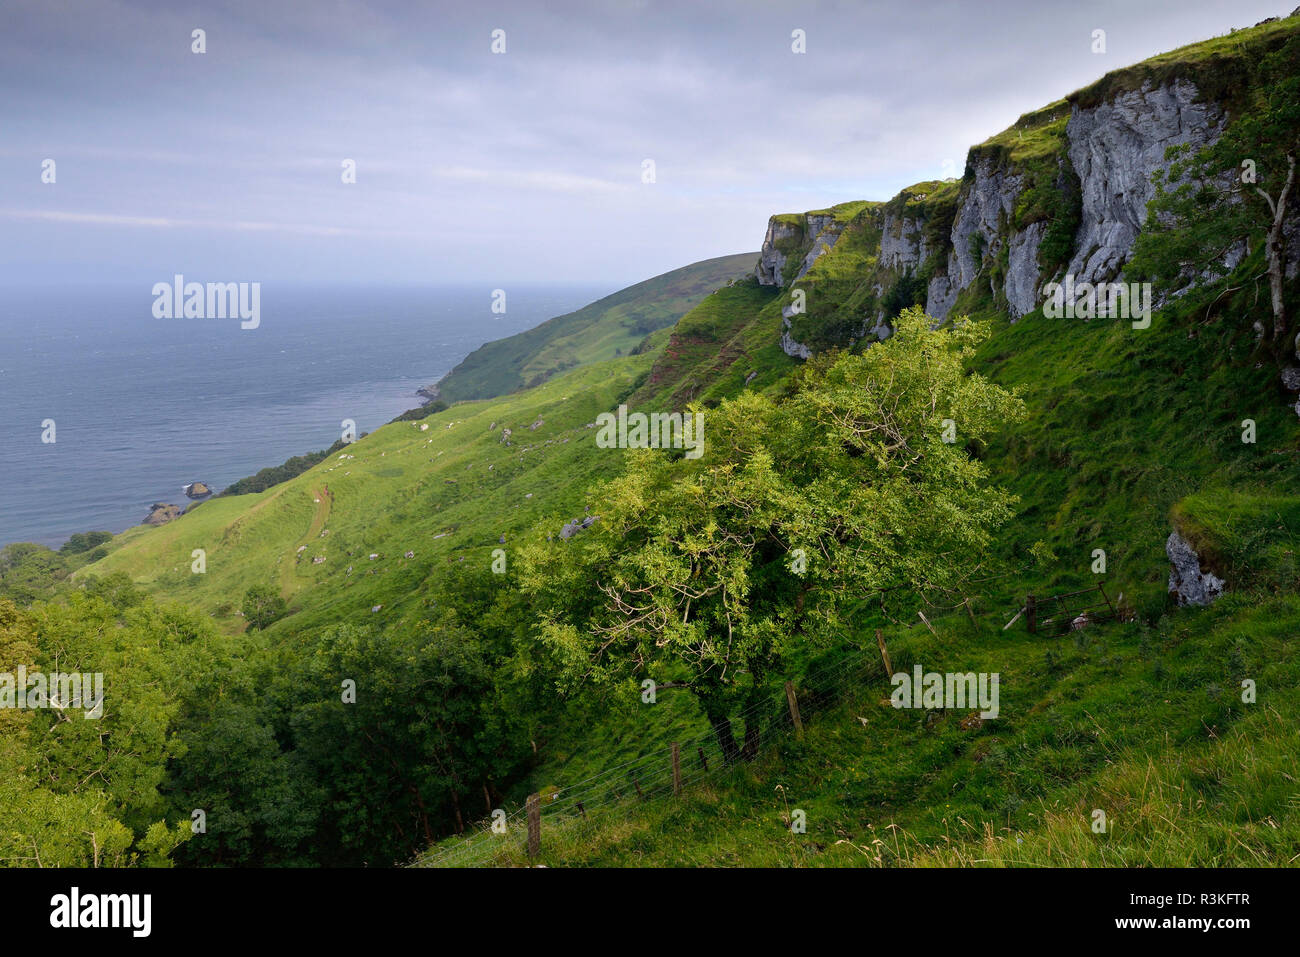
(523, 165)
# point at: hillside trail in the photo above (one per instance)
(323, 501)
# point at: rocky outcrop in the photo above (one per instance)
(825, 231)
(986, 206)
(197, 490)
(796, 350)
(1112, 145)
(1115, 147)
(902, 242)
(161, 513)
(811, 237)
(1291, 382)
(1021, 285)
(771, 260)
(940, 297)
(1188, 582)
(577, 525)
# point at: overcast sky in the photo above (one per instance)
(522, 166)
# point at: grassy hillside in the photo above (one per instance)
(1130, 434)
(447, 493)
(605, 328)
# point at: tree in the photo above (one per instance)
(1235, 193)
(263, 606)
(709, 571)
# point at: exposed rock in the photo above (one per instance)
(940, 296)
(1021, 287)
(902, 242)
(1187, 580)
(1115, 147)
(987, 202)
(825, 231)
(161, 513)
(771, 261)
(577, 525)
(197, 490)
(536, 425)
(791, 348)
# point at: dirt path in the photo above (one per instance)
(324, 500)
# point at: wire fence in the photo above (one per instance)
(652, 776)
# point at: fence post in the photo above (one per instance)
(1031, 614)
(927, 624)
(794, 709)
(704, 762)
(884, 653)
(534, 806)
(966, 602)
(677, 770)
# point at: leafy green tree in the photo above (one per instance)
(78, 791)
(84, 542)
(1237, 191)
(263, 606)
(710, 571)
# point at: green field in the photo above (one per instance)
(1177, 725)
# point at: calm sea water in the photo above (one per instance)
(144, 406)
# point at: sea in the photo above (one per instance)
(138, 407)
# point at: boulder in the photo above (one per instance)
(161, 513)
(197, 490)
(1188, 581)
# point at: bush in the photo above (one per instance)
(263, 606)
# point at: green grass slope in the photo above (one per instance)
(602, 330)
(447, 494)
(1132, 433)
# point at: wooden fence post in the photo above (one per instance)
(704, 762)
(966, 602)
(677, 770)
(1031, 614)
(794, 709)
(534, 807)
(884, 653)
(927, 624)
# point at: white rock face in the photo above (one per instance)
(902, 245)
(1115, 147)
(771, 261)
(1187, 581)
(824, 232)
(940, 296)
(789, 346)
(1021, 286)
(985, 207)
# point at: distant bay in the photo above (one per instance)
(143, 406)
